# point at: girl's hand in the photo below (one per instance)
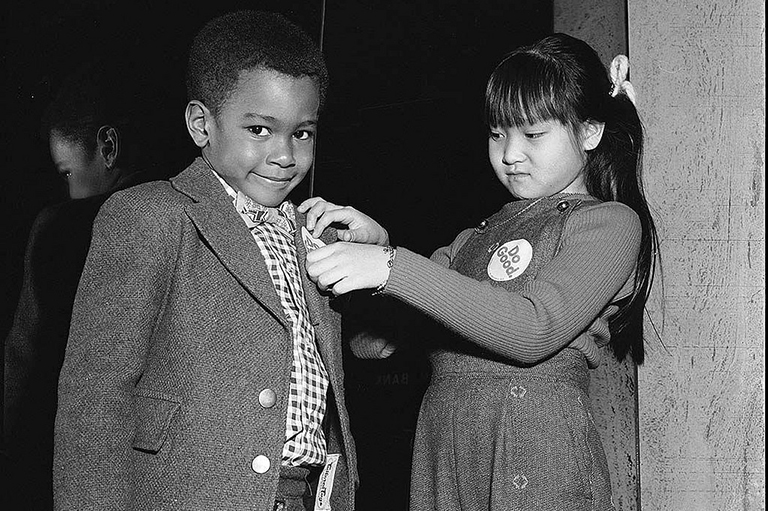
(360, 227)
(344, 267)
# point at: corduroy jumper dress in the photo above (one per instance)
(496, 436)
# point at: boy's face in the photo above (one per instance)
(263, 140)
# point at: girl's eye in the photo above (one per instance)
(259, 131)
(65, 175)
(535, 135)
(494, 135)
(303, 135)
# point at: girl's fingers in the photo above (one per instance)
(360, 228)
(335, 214)
(316, 216)
(307, 204)
(329, 279)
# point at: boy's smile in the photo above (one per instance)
(262, 141)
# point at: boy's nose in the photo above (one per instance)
(282, 154)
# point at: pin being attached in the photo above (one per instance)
(310, 242)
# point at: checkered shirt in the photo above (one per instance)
(304, 438)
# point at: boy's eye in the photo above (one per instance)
(535, 134)
(304, 135)
(65, 174)
(259, 131)
(495, 135)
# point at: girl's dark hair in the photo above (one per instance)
(562, 78)
(245, 40)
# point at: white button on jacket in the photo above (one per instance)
(260, 464)
(267, 398)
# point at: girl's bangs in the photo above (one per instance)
(522, 92)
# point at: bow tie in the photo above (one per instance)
(254, 213)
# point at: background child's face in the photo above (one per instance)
(83, 171)
(262, 142)
(537, 160)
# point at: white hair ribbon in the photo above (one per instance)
(619, 70)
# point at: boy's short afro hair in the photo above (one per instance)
(245, 40)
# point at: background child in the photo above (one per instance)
(528, 296)
(203, 369)
(96, 150)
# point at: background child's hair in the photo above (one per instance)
(245, 40)
(100, 93)
(562, 78)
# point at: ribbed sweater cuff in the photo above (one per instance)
(413, 279)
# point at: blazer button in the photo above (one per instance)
(260, 464)
(267, 398)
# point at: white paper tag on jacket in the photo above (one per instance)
(325, 483)
(510, 260)
(310, 242)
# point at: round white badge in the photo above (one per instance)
(510, 260)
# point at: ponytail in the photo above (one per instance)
(614, 172)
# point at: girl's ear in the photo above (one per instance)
(593, 134)
(197, 117)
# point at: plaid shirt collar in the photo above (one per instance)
(254, 213)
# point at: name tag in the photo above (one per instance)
(325, 483)
(310, 242)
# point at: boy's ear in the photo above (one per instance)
(198, 117)
(108, 145)
(593, 134)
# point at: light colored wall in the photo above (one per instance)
(699, 68)
(602, 23)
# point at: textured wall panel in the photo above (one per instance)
(699, 68)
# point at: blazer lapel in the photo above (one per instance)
(225, 232)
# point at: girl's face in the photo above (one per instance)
(542, 159)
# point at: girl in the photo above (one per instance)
(528, 296)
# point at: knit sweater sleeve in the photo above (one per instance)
(598, 252)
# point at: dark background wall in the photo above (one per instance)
(401, 138)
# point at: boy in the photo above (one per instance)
(204, 369)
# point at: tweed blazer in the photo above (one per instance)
(177, 349)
